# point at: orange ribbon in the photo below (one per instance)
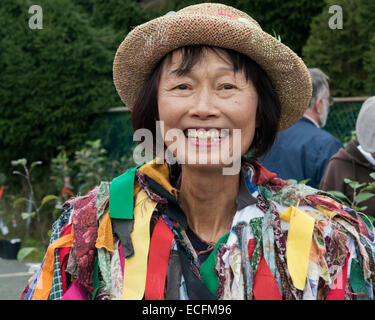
(44, 283)
(105, 235)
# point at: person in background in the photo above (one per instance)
(357, 160)
(302, 151)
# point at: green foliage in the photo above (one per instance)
(87, 169)
(342, 119)
(162, 6)
(53, 81)
(289, 19)
(24, 252)
(7, 213)
(340, 52)
(370, 66)
(121, 15)
(353, 136)
(92, 166)
(35, 205)
(3, 179)
(295, 182)
(271, 14)
(32, 248)
(361, 193)
(87, 6)
(367, 16)
(90, 162)
(115, 131)
(60, 171)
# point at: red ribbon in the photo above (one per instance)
(261, 174)
(265, 286)
(64, 256)
(158, 259)
(1, 191)
(337, 291)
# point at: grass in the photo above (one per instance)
(37, 254)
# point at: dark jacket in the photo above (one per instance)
(301, 152)
(349, 163)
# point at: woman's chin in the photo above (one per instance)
(206, 162)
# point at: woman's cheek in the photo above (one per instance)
(248, 136)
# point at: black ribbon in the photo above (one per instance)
(173, 209)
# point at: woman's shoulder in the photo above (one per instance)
(286, 194)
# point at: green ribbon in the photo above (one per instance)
(256, 229)
(96, 282)
(121, 195)
(207, 270)
(357, 280)
(366, 220)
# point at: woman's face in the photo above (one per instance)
(201, 110)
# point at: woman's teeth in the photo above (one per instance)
(210, 134)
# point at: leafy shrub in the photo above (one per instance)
(53, 81)
(340, 52)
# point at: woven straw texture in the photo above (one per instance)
(216, 25)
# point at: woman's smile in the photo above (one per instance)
(206, 136)
(211, 104)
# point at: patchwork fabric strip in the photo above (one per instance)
(287, 241)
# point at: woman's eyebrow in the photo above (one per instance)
(217, 70)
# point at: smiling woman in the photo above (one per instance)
(166, 80)
(212, 79)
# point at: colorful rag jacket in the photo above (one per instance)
(129, 239)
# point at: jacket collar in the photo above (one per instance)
(352, 153)
(244, 197)
(309, 119)
(367, 155)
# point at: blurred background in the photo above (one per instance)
(63, 127)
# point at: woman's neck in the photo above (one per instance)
(208, 200)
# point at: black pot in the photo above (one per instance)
(9, 249)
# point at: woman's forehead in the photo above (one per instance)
(179, 62)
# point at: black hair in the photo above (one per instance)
(145, 109)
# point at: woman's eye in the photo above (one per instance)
(228, 86)
(181, 87)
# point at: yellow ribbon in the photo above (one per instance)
(135, 270)
(298, 246)
(329, 213)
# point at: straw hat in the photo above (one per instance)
(365, 127)
(218, 25)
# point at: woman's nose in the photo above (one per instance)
(204, 106)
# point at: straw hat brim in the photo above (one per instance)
(148, 43)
